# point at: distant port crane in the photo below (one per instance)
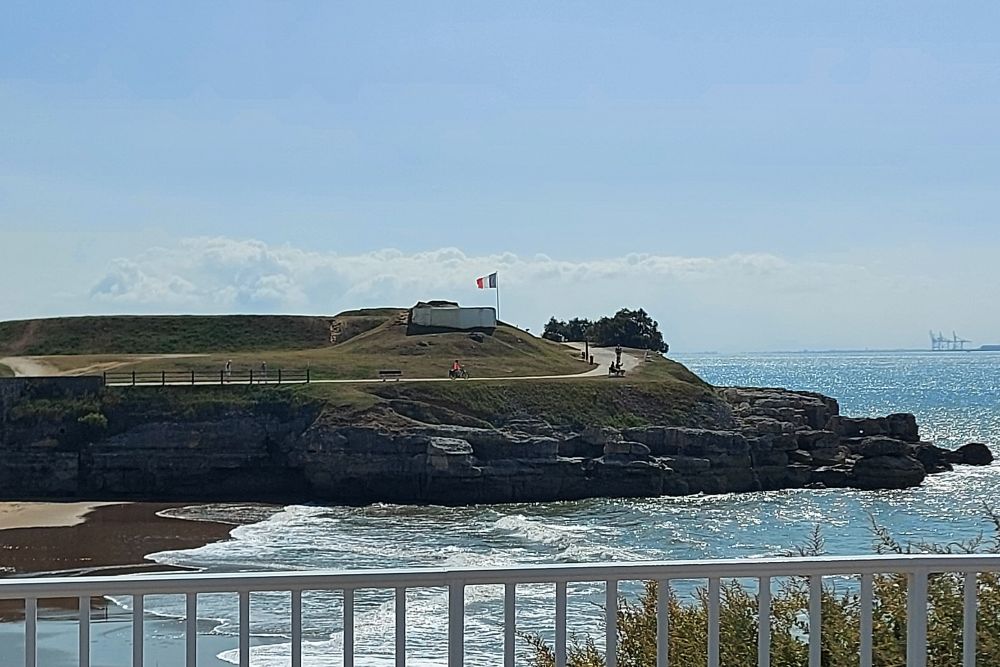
(941, 343)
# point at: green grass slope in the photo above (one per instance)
(161, 334)
(366, 341)
(509, 352)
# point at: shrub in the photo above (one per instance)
(94, 421)
(841, 608)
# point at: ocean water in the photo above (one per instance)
(956, 398)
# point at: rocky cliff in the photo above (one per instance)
(91, 446)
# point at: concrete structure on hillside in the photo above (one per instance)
(441, 316)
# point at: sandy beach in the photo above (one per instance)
(44, 514)
(93, 537)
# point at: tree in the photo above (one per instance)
(573, 331)
(628, 328)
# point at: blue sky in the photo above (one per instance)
(758, 175)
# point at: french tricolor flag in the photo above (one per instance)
(487, 282)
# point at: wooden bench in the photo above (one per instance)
(616, 372)
(386, 374)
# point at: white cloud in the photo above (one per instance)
(740, 301)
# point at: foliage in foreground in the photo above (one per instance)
(841, 605)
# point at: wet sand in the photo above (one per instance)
(97, 539)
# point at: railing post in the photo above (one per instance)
(764, 622)
(560, 624)
(307, 376)
(969, 620)
(137, 630)
(84, 631)
(31, 632)
(133, 377)
(456, 624)
(611, 624)
(400, 627)
(222, 376)
(279, 376)
(867, 626)
(815, 620)
(191, 630)
(251, 376)
(192, 377)
(663, 623)
(163, 378)
(244, 630)
(714, 594)
(296, 637)
(509, 623)
(348, 627)
(916, 619)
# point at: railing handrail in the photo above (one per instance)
(179, 583)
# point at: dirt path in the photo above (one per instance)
(29, 366)
(40, 367)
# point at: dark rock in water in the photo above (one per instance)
(835, 477)
(878, 446)
(887, 472)
(897, 426)
(975, 454)
(935, 459)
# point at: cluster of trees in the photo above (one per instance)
(628, 328)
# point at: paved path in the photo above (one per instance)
(33, 366)
(603, 356)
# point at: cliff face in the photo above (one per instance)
(284, 452)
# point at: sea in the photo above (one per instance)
(956, 397)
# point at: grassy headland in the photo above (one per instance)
(365, 342)
(659, 391)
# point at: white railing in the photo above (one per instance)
(917, 568)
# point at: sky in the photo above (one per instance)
(758, 176)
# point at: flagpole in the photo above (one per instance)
(498, 297)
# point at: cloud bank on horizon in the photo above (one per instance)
(734, 302)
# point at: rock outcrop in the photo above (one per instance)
(775, 439)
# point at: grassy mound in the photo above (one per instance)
(162, 334)
(508, 353)
(364, 342)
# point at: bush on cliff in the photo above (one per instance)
(841, 608)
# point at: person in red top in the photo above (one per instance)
(456, 367)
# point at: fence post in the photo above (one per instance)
(133, 377)
(105, 374)
(251, 376)
(279, 376)
(307, 376)
(192, 377)
(222, 379)
(163, 378)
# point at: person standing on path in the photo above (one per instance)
(229, 370)
(618, 355)
(263, 371)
